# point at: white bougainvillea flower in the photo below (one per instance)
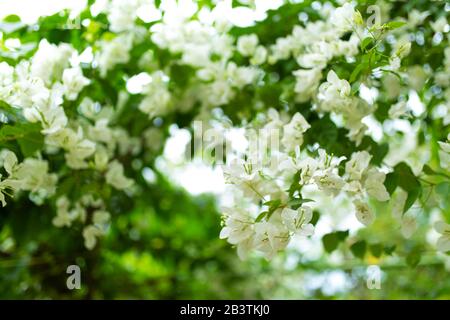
(2, 196)
(307, 82)
(114, 52)
(297, 221)
(439, 25)
(334, 90)
(63, 217)
(397, 110)
(157, 96)
(259, 56)
(357, 165)
(293, 132)
(90, 235)
(247, 44)
(416, 17)
(78, 151)
(313, 60)
(363, 213)
(122, 14)
(443, 243)
(399, 203)
(9, 161)
(328, 162)
(116, 178)
(409, 225)
(101, 159)
(50, 60)
(374, 185)
(343, 18)
(5, 187)
(74, 82)
(353, 188)
(402, 48)
(33, 176)
(445, 146)
(6, 77)
(238, 228)
(270, 238)
(329, 182)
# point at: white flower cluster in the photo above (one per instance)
(314, 45)
(335, 96)
(113, 52)
(38, 88)
(157, 97)
(205, 46)
(67, 213)
(30, 175)
(49, 89)
(275, 191)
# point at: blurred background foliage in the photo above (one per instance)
(164, 243)
(167, 247)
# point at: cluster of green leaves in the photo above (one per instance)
(331, 242)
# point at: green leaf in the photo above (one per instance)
(30, 146)
(427, 170)
(11, 18)
(389, 249)
(261, 216)
(376, 249)
(391, 182)
(11, 112)
(379, 151)
(358, 249)
(11, 25)
(355, 87)
(413, 258)
(296, 203)
(295, 185)
(366, 42)
(273, 205)
(394, 25)
(331, 240)
(315, 217)
(405, 177)
(443, 189)
(27, 135)
(412, 197)
(356, 72)
(342, 235)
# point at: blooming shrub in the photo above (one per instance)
(346, 103)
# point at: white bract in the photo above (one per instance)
(443, 243)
